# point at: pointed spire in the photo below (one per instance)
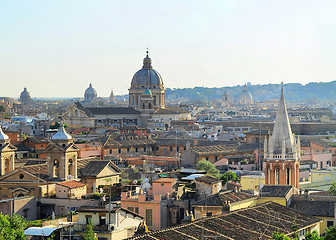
(282, 132)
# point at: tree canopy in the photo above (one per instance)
(208, 167)
(332, 189)
(12, 227)
(229, 176)
(89, 233)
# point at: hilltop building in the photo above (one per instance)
(282, 151)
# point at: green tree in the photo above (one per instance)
(295, 228)
(331, 233)
(89, 233)
(332, 189)
(278, 236)
(12, 227)
(313, 236)
(229, 176)
(208, 167)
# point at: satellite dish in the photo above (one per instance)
(70, 177)
(146, 180)
(135, 181)
(146, 186)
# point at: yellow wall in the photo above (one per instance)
(323, 225)
(251, 182)
(323, 176)
(244, 204)
(280, 200)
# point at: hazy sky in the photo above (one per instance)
(56, 48)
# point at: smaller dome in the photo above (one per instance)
(90, 93)
(246, 97)
(3, 136)
(147, 92)
(61, 134)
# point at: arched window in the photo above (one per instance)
(56, 168)
(288, 172)
(70, 167)
(277, 176)
(7, 165)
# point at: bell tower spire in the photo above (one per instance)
(282, 156)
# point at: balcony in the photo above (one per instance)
(96, 228)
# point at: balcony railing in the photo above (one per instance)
(97, 228)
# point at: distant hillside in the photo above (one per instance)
(293, 91)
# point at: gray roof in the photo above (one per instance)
(81, 107)
(220, 198)
(112, 110)
(275, 190)
(147, 77)
(314, 208)
(93, 168)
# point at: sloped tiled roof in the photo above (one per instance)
(113, 110)
(314, 208)
(81, 107)
(258, 222)
(39, 170)
(220, 198)
(93, 168)
(123, 141)
(275, 190)
(208, 179)
(71, 184)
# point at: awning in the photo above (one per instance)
(40, 231)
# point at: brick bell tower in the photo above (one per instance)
(282, 151)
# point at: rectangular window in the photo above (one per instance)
(102, 220)
(171, 149)
(149, 217)
(330, 224)
(88, 218)
(136, 210)
(130, 208)
(119, 150)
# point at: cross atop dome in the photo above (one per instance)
(147, 62)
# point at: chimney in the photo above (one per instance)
(306, 193)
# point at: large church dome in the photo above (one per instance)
(90, 93)
(245, 97)
(25, 96)
(147, 77)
